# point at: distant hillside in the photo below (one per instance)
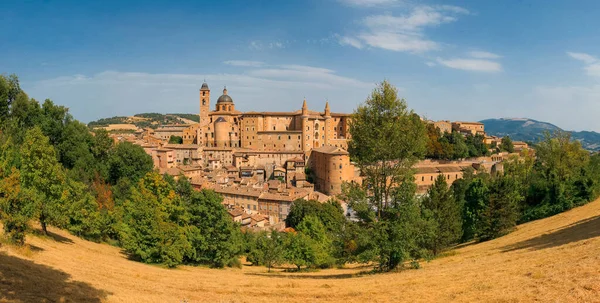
(145, 120)
(529, 130)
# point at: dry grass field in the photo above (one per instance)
(552, 260)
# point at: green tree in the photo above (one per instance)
(330, 213)
(268, 249)
(175, 140)
(44, 177)
(128, 161)
(387, 140)
(9, 90)
(440, 207)
(299, 249)
(321, 243)
(15, 207)
(500, 214)
(475, 202)
(506, 145)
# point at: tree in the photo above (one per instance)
(321, 243)
(128, 161)
(15, 208)
(475, 202)
(440, 207)
(500, 214)
(299, 249)
(507, 145)
(44, 177)
(175, 140)
(330, 213)
(387, 139)
(268, 249)
(9, 90)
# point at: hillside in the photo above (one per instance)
(551, 260)
(524, 129)
(152, 120)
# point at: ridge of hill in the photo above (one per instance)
(550, 260)
(145, 120)
(529, 130)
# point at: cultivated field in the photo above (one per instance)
(551, 260)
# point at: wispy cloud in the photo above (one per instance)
(278, 87)
(344, 40)
(245, 63)
(586, 58)
(369, 3)
(592, 64)
(260, 45)
(468, 64)
(404, 33)
(484, 55)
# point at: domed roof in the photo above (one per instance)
(225, 98)
(220, 120)
(204, 86)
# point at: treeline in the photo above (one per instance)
(394, 227)
(455, 146)
(55, 171)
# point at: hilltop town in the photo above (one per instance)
(261, 162)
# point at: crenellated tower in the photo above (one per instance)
(327, 117)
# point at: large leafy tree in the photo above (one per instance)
(268, 249)
(387, 140)
(44, 177)
(128, 161)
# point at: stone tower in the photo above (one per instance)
(204, 104)
(306, 142)
(327, 123)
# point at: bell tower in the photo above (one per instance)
(204, 103)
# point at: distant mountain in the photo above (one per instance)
(529, 130)
(145, 120)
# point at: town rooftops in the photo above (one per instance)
(182, 146)
(332, 150)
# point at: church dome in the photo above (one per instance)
(224, 98)
(204, 86)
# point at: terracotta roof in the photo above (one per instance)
(182, 146)
(236, 212)
(332, 150)
(449, 169)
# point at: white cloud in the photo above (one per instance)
(259, 45)
(404, 33)
(592, 65)
(345, 40)
(586, 58)
(430, 64)
(479, 65)
(280, 88)
(484, 55)
(369, 3)
(245, 63)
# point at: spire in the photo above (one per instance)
(327, 110)
(304, 108)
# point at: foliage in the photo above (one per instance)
(267, 249)
(330, 213)
(44, 177)
(175, 140)
(299, 249)
(453, 145)
(440, 207)
(506, 145)
(130, 161)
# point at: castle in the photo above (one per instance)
(263, 142)
(298, 131)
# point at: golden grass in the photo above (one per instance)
(552, 260)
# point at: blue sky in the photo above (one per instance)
(456, 60)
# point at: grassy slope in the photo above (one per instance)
(555, 259)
